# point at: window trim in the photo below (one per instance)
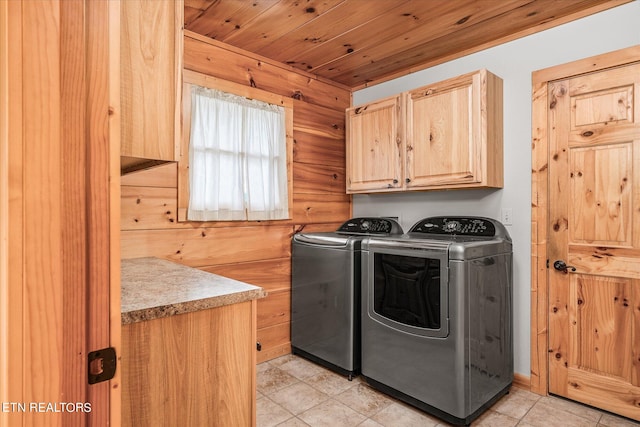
(191, 78)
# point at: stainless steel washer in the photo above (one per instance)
(437, 315)
(325, 292)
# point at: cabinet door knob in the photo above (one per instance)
(395, 181)
(408, 180)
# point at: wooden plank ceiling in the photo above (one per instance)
(358, 42)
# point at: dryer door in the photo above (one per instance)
(407, 290)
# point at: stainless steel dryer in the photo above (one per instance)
(325, 292)
(437, 315)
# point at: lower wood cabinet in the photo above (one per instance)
(193, 369)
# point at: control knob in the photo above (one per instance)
(452, 226)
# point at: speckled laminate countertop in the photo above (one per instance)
(154, 288)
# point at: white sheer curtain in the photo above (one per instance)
(237, 158)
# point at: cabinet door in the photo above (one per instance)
(444, 134)
(374, 146)
(150, 56)
(191, 369)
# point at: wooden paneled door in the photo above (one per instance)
(594, 239)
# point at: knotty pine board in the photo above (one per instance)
(320, 208)
(275, 310)
(207, 246)
(318, 149)
(319, 120)
(314, 179)
(275, 341)
(226, 62)
(154, 208)
(271, 274)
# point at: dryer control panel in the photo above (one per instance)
(461, 226)
(370, 226)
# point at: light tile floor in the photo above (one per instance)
(295, 392)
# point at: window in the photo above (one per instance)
(235, 153)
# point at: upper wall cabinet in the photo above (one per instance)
(448, 135)
(375, 146)
(150, 81)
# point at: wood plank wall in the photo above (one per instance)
(254, 252)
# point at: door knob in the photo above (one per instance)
(560, 265)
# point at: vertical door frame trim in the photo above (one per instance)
(11, 323)
(115, 111)
(539, 199)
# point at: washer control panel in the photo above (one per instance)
(370, 226)
(461, 226)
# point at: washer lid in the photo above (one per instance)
(326, 239)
